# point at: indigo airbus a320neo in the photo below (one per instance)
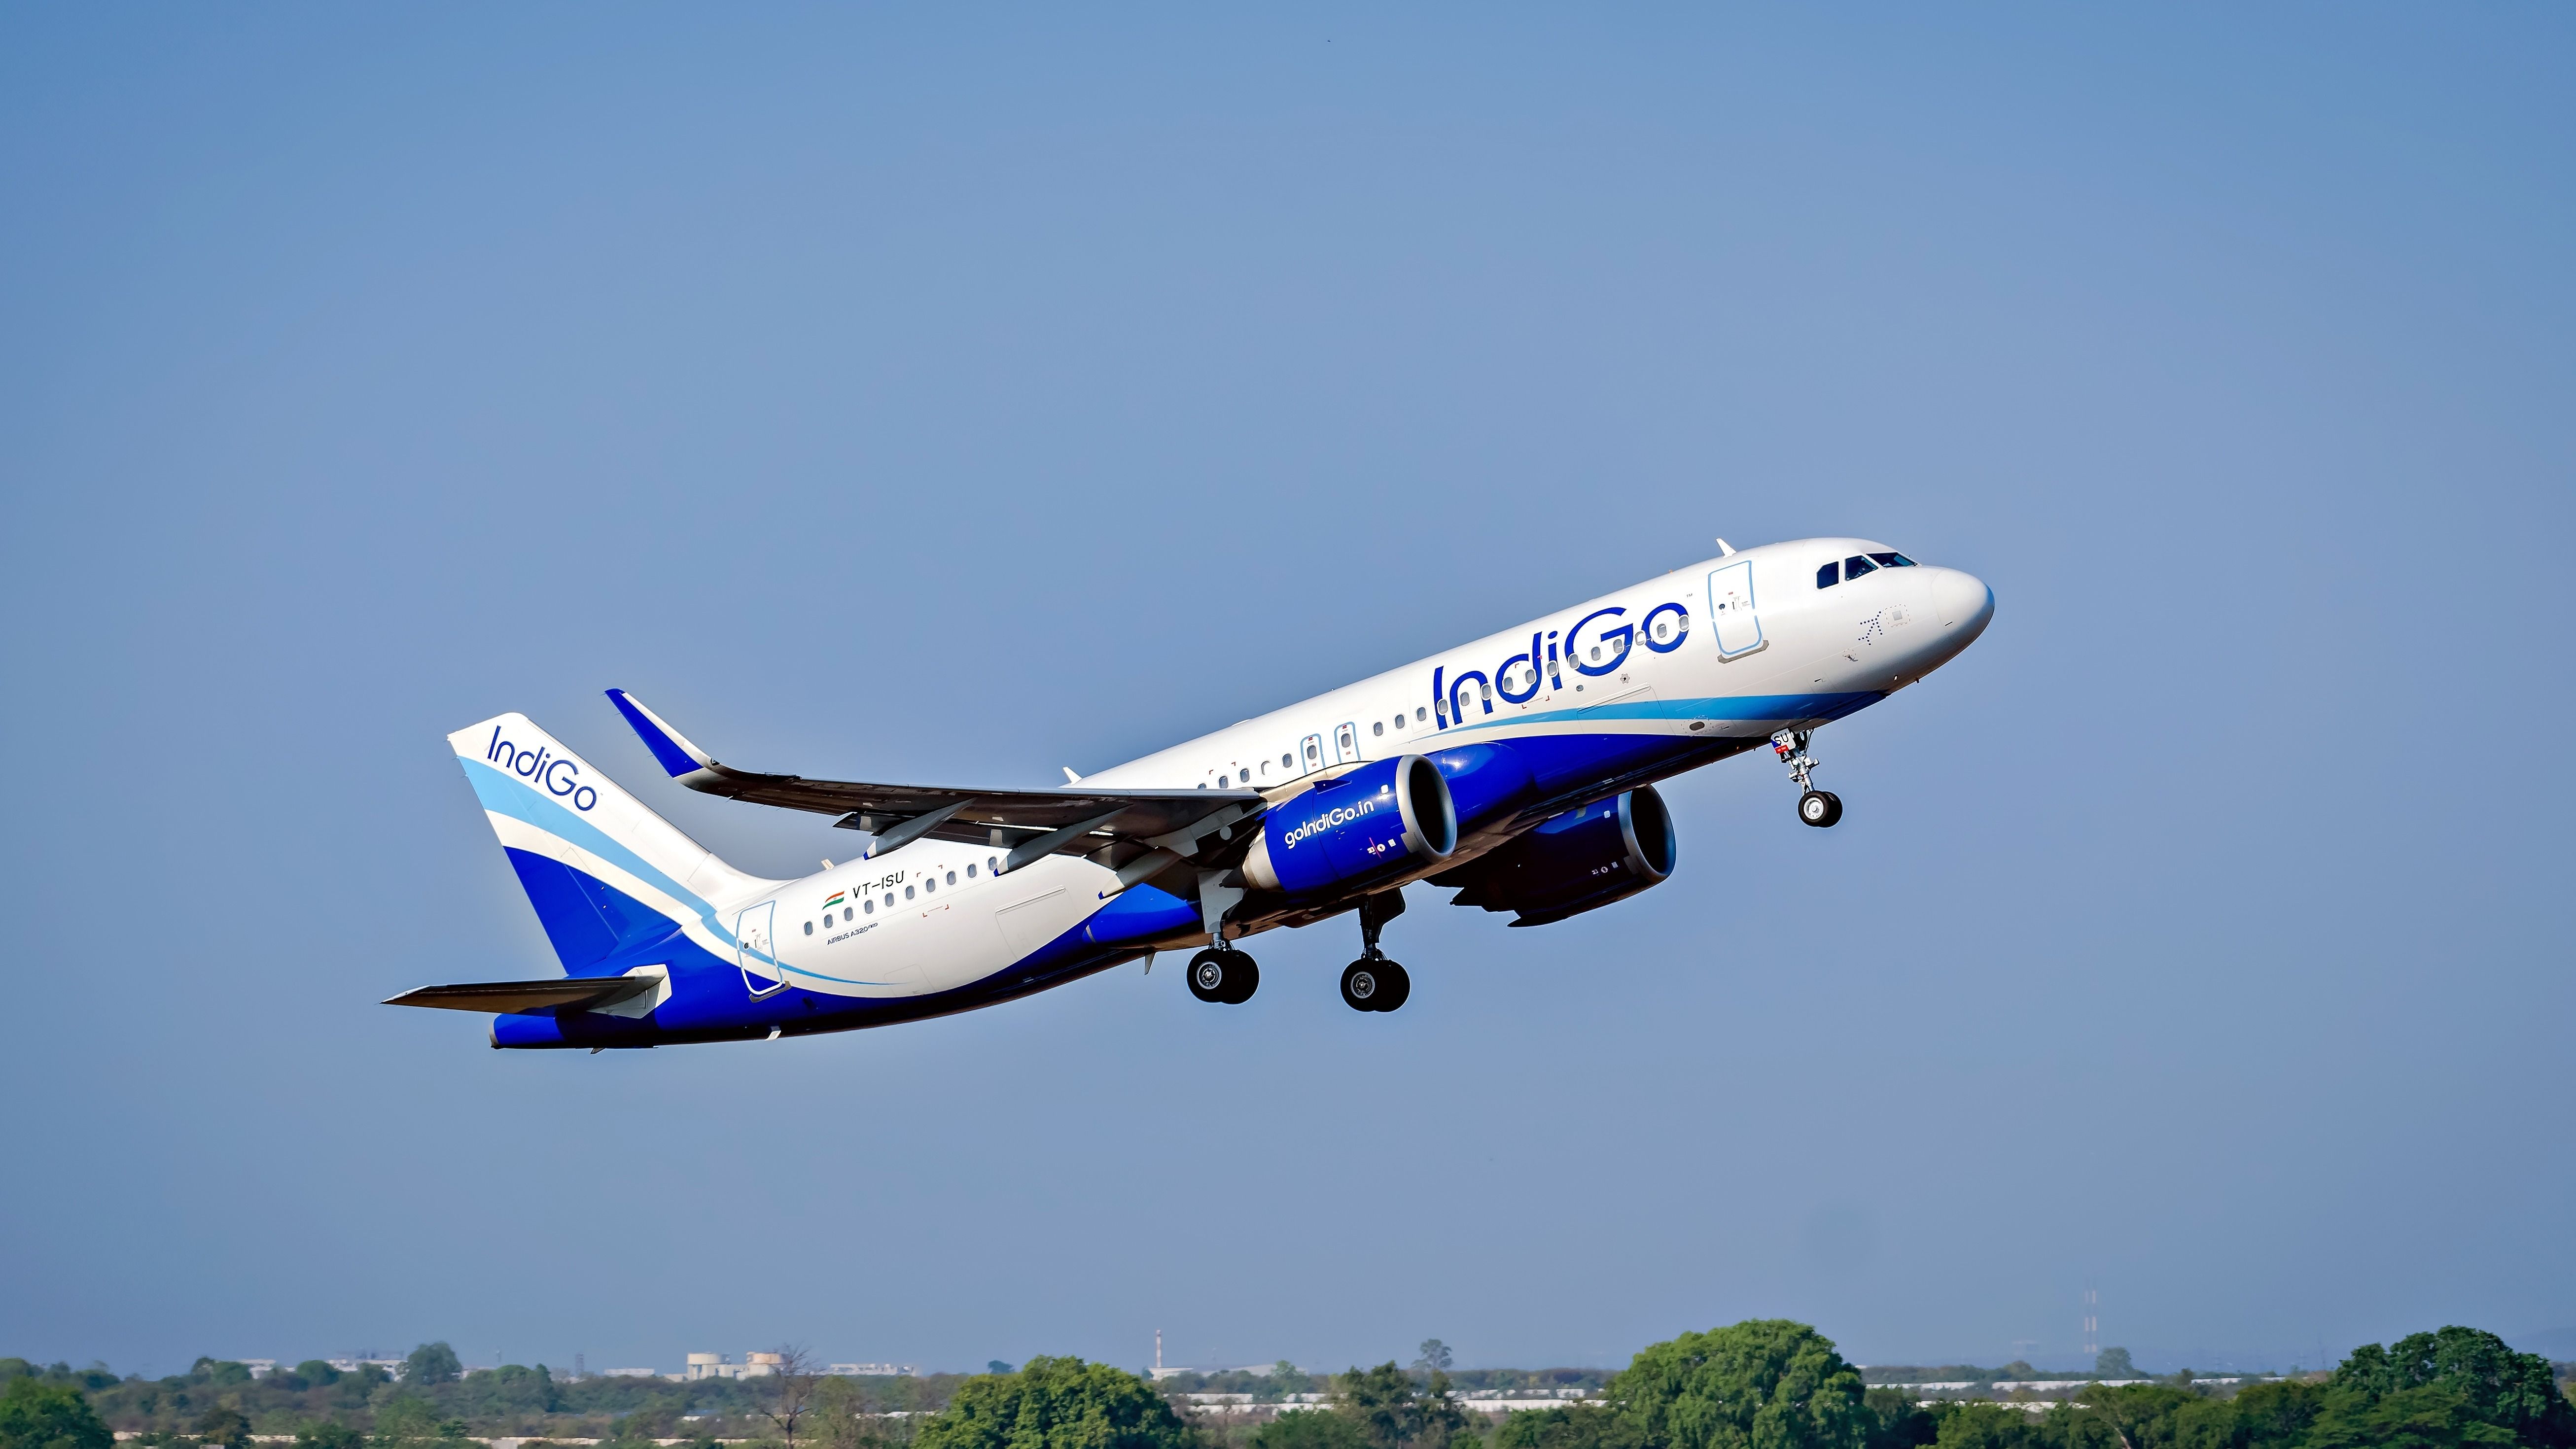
(1517, 770)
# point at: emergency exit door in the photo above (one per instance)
(756, 949)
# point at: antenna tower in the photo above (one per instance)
(2092, 1324)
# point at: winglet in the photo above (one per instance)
(671, 748)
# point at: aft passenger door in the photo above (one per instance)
(756, 949)
(1730, 607)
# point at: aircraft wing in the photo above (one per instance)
(1030, 822)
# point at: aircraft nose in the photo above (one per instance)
(1963, 602)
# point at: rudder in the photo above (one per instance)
(601, 869)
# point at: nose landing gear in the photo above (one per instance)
(1816, 807)
(1373, 983)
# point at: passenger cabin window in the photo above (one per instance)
(1377, 727)
(809, 928)
(952, 877)
(869, 905)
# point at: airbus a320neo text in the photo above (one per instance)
(1517, 770)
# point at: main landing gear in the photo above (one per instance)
(1819, 808)
(1373, 983)
(1224, 975)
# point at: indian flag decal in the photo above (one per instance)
(837, 898)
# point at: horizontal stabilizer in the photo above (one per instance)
(588, 993)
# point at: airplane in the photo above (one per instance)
(1517, 770)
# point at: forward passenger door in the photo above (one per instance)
(1730, 607)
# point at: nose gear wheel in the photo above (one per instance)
(1816, 807)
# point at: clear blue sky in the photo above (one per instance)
(953, 395)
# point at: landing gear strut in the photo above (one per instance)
(1816, 807)
(1374, 983)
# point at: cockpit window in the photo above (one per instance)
(1892, 560)
(1828, 576)
(1857, 565)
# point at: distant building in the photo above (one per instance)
(717, 1366)
(873, 1370)
(260, 1368)
(630, 1373)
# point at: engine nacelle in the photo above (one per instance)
(1373, 824)
(1575, 862)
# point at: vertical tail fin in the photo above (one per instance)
(603, 871)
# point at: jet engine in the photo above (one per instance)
(1575, 862)
(1378, 822)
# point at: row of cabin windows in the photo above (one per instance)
(1228, 779)
(1858, 564)
(929, 883)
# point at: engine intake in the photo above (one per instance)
(1375, 823)
(1579, 861)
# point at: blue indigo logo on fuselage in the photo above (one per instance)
(541, 767)
(1519, 678)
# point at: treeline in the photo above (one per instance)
(1768, 1384)
(1781, 1383)
(218, 1402)
(1285, 1379)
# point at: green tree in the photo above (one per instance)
(2132, 1414)
(432, 1363)
(1762, 1384)
(2275, 1415)
(2113, 1363)
(1286, 1378)
(1896, 1421)
(38, 1415)
(1311, 1429)
(329, 1435)
(1392, 1412)
(1987, 1426)
(1057, 1403)
(405, 1420)
(1435, 1357)
(223, 1425)
(2460, 1377)
(1566, 1426)
(317, 1373)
